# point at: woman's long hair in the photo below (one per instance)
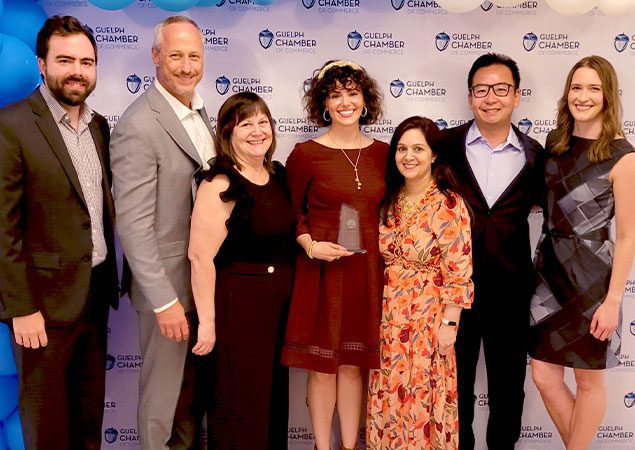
(441, 173)
(611, 111)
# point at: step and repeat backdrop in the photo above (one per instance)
(420, 55)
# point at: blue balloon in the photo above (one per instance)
(1, 39)
(175, 5)
(3, 439)
(22, 19)
(19, 75)
(9, 395)
(111, 4)
(13, 431)
(1, 7)
(7, 363)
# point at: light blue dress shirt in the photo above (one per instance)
(494, 168)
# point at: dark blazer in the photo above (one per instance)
(45, 233)
(503, 271)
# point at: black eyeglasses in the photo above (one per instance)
(500, 89)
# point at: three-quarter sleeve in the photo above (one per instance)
(299, 179)
(451, 225)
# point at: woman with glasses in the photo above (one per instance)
(582, 272)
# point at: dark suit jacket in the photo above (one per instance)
(503, 271)
(45, 232)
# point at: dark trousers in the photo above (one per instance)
(505, 350)
(62, 385)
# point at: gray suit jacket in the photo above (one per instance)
(154, 163)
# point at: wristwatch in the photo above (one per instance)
(451, 323)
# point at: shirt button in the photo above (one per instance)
(86, 258)
(271, 269)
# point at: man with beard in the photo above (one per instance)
(58, 274)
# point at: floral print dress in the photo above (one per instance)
(413, 396)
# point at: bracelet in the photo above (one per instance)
(310, 250)
(448, 322)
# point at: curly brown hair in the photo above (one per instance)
(347, 74)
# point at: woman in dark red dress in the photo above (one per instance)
(333, 328)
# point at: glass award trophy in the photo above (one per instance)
(349, 235)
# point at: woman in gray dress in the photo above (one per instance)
(581, 272)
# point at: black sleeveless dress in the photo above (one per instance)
(254, 276)
(574, 259)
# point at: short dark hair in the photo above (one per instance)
(61, 26)
(325, 81)
(441, 171)
(490, 59)
(237, 108)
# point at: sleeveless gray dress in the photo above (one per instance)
(574, 258)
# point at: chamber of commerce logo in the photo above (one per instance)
(418, 7)
(333, 6)
(287, 41)
(486, 5)
(354, 40)
(417, 90)
(110, 361)
(551, 43)
(633, 327)
(133, 83)
(462, 43)
(222, 85)
(522, 8)
(396, 88)
(621, 42)
(306, 85)
(529, 41)
(225, 84)
(537, 127)
(375, 42)
(442, 40)
(296, 126)
(534, 433)
(110, 435)
(524, 125)
(441, 123)
(265, 37)
(213, 41)
(58, 3)
(114, 37)
(383, 129)
(244, 5)
(629, 399)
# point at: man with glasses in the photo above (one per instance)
(500, 170)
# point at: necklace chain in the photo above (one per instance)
(353, 165)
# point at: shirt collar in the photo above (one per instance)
(60, 115)
(179, 108)
(474, 135)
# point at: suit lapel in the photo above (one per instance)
(45, 122)
(168, 120)
(530, 153)
(465, 168)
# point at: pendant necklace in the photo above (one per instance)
(353, 165)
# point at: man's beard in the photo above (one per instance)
(68, 96)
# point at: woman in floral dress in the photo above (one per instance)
(425, 241)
